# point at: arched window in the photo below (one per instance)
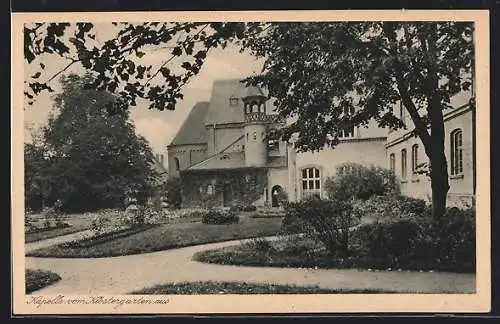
(311, 182)
(176, 164)
(414, 158)
(403, 163)
(456, 155)
(392, 162)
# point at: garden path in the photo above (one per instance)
(124, 274)
(56, 240)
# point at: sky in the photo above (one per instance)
(158, 127)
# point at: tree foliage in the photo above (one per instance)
(325, 76)
(89, 159)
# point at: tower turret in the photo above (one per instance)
(255, 127)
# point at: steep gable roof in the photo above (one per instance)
(193, 131)
(219, 110)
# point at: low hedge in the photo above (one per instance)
(216, 217)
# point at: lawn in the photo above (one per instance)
(38, 279)
(78, 223)
(211, 287)
(167, 236)
(305, 253)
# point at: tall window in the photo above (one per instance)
(176, 164)
(414, 158)
(392, 162)
(403, 163)
(402, 112)
(348, 131)
(456, 152)
(311, 182)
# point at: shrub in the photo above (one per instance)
(173, 189)
(327, 221)
(448, 243)
(216, 217)
(259, 245)
(388, 239)
(391, 206)
(355, 181)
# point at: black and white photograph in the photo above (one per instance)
(257, 156)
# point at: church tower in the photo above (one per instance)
(255, 127)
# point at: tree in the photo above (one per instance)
(94, 158)
(318, 72)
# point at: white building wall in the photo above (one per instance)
(363, 151)
(418, 185)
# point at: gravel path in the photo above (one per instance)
(122, 275)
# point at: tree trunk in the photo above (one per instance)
(439, 185)
(439, 168)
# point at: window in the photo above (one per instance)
(247, 137)
(176, 164)
(414, 158)
(402, 112)
(456, 152)
(348, 131)
(392, 162)
(272, 145)
(254, 136)
(210, 189)
(311, 182)
(233, 101)
(403, 163)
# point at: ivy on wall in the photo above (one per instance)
(206, 189)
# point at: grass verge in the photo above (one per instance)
(212, 287)
(38, 279)
(164, 237)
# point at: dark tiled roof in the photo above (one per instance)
(232, 160)
(193, 130)
(220, 111)
(253, 92)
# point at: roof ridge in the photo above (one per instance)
(198, 109)
(217, 153)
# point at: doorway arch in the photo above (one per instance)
(276, 194)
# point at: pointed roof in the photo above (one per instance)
(192, 130)
(220, 110)
(252, 91)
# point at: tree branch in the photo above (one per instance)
(73, 61)
(402, 86)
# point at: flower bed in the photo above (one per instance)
(106, 236)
